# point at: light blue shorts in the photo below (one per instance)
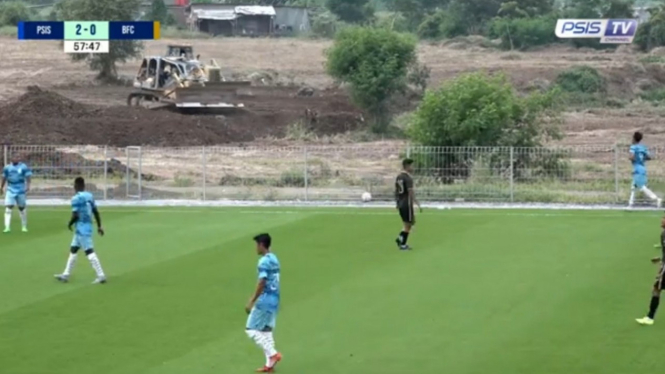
(639, 180)
(259, 320)
(12, 199)
(82, 241)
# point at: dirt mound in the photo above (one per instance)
(44, 117)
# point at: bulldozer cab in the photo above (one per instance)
(157, 73)
(180, 50)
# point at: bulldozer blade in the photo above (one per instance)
(212, 94)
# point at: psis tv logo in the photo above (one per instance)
(610, 31)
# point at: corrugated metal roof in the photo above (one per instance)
(231, 14)
(255, 10)
(218, 15)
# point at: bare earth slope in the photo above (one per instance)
(97, 114)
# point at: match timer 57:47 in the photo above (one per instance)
(92, 46)
(87, 30)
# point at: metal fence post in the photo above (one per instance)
(205, 178)
(140, 171)
(306, 176)
(512, 174)
(106, 168)
(616, 173)
(128, 172)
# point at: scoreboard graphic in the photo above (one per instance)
(88, 36)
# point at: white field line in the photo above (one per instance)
(465, 209)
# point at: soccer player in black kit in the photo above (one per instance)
(405, 197)
(658, 285)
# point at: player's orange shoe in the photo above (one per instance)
(275, 359)
(265, 369)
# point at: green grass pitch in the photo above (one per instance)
(482, 292)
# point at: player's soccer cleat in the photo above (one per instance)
(25, 229)
(61, 278)
(275, 359)
(265, 369)
(99, 280)
(404, 247)
(7, 230)
(659, 203)
(646, 321)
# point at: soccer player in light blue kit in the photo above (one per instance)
(639, 155)
(83, 209)
(264, 303)
(16, 176)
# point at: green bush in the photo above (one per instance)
(478, 110)
(656, 95)
(582, 79)
(11, 13)
(326, 25)
(651, 34)
(375, 63)
(393, 22)
(524, 33)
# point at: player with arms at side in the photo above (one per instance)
(660, 282)
(16, 176)
(264, 303)
(405, 197)
(83, 209)
(639, 155)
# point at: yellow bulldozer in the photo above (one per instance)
(180, 81)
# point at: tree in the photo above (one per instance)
(375, 63)
(651, 34)
(11, 13)
(159, 12)
(526, 8)
(479, 110)
(415, 11)
(110, 10)
(352, 11)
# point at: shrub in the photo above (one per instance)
(524, 33)
(326, 25)
(478, 110)
(375, 63)
(656, 95)
(11, 13)
(651, 34)
(582, 79)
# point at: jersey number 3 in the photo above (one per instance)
(274, 285)
(400, 186)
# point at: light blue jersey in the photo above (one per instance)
(269, 270)
(264, 314)
(17, 178)
(83, 203)
(640, 155)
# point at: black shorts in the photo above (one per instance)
(660, 279)
(407, 214)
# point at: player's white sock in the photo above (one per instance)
(269, 343)
(94, 261)
(24, 217)
(631, 201)
(649, 193)
(70, 264)
(257, 339)
(8, 217)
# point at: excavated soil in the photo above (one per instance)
(41, 117)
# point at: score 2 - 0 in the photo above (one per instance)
(85, 30)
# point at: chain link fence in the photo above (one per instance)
(575, 175)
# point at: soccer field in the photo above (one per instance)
(492, 291)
